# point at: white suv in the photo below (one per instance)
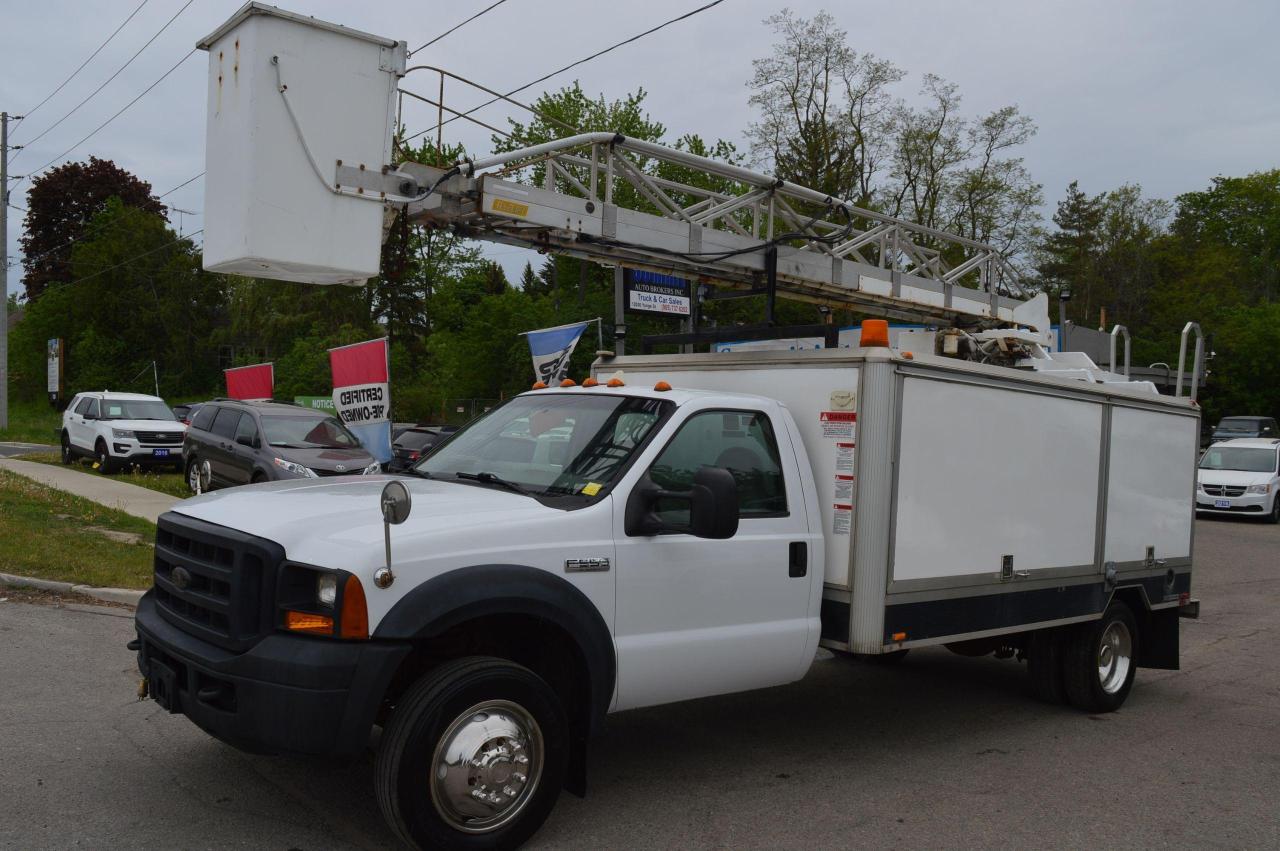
(121, 429)
(1240, 476)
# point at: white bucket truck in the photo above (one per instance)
(674, 526)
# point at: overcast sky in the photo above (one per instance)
(1165, 93)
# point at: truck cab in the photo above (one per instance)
(619, 546)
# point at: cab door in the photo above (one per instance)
(697, 617)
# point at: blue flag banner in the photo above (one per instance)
(551, 348)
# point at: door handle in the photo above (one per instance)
(798, 563)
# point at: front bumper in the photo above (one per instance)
(1258, 504)
(131, 452)
(286, 694)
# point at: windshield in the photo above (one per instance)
(559, 444)
(135, 409)
(1244, 459)
(1234, 424)
(308, 433)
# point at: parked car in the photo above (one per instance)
(1233, 427)
(184, 413)
(235, 443)
(1240, 476)
(121, 429)
(411, 444)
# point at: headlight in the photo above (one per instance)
(122, 434)
(296, 469)
(327, 589)
(1258, 489)
(372, 469)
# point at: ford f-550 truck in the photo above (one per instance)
(671, 528)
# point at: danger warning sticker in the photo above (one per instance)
(838, 424)
(842, 519)
(844, 488)
(844, 457)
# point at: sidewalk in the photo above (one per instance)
(131, 499)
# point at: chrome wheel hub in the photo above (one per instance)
(486, 766)
(1115, 652)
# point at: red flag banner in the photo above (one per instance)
(251, 383)
(361, 394)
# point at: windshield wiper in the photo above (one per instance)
(414, 471)
(493, 479)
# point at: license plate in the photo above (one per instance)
(160, 453)
(162, 683)
(1222, 503)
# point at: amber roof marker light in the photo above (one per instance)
(875, 333)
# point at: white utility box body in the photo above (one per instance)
(272, 206)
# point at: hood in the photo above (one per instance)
(147, 425)
(338, 522)
(1232, 477)
(353, 460)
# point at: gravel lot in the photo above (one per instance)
(941, 751)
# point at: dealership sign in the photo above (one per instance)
(361, 395)
(649, 292)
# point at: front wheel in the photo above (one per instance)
(474, 756)
(67, 455)
(197, 481)
(1274, 516)
(106, 465)
(1100, 660)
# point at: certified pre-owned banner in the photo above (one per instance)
(551, 349)
(251, 383)
(360, 394)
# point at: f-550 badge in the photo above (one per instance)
(585, 565)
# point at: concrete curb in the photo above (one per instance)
(128, 596)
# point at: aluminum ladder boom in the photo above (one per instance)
(626, 202)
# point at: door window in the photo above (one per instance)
(226, 423)
(742, 442)
(247, 429)
(204, 417)
(83, 407)
(93, 408)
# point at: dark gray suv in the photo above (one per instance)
(236, 443)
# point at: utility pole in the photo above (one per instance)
(4, 269)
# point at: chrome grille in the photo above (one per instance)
(1224, 490)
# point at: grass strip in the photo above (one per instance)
(51, 534)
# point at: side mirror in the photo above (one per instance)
(246, 440)
(713, 506)
(395, 504)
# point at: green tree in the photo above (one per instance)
(60, 205)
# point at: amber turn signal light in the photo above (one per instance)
(308, 622)
(355, 611)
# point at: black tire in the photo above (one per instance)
(258, 478)
(106, 466)
(1044, 665)
(1083, 660)
(1274, 516)
(404, 772)
(68, 455)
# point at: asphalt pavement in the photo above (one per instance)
(10, 448)
(939, 752)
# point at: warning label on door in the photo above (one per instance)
(838, 424)
(844, 489)
(842, 520)
(844, 457)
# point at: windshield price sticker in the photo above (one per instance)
(362, 403)
(838, 424)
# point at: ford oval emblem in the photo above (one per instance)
(341, 468)
(181, 578)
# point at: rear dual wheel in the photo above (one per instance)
(473, 757)
(1090, 665)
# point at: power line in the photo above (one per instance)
(27, 144)
(117, 115)
(459, 26)
(84, 63)
(584, 60)
(180, 185)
